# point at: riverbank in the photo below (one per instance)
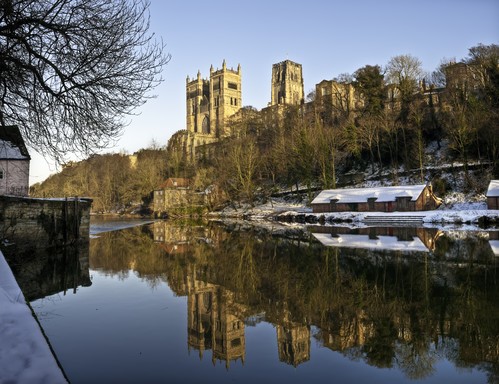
(25, 355)
(457, 213)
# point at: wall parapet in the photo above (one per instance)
(44, 223)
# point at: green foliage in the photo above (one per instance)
(439, 186)
(370, 82)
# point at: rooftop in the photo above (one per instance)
(12, 145)
(493, 190)
(360, 195)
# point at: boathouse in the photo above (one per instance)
(493, 195)
(14, 162)
(378, 199)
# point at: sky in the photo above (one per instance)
(327, 37)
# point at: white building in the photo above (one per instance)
(14, 162)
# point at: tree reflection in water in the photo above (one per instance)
(390, 306)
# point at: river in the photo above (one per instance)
(178, 302)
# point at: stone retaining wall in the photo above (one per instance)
(43, 222)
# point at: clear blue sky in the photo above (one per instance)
(328, 37)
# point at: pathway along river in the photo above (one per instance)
(181, 303)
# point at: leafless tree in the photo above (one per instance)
(404, 72)
(72, 71)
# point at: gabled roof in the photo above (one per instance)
(361, 195)
(175, 182)
(493, 190)
(12, 145)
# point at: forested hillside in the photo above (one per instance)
(116, 182)
(407, 125)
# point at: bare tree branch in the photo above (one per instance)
(71, 71)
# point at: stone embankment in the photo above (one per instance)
(47, 222)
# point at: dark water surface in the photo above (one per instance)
(178, 303)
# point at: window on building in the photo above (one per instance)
(206, 125)
(1, 174)
(232, 85)
(370, 203)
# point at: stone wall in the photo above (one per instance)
(42, 223)
(15, 177)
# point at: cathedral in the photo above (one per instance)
(210, 102)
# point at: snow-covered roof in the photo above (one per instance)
(494, 244)
(493, 190)
(361, 195)
(390, 243)
(12, 145)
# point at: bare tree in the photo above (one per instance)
(404, 72)
(71, 71)
(241, 165)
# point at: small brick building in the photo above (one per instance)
(175, 195)
(378, 199)
(493, 195)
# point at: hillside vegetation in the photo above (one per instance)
(444, 130)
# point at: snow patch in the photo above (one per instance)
(25, 356)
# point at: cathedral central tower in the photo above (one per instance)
(287, 84)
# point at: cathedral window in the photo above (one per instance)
(232, 85)
(206, 125)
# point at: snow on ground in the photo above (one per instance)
(25, 356)
(455, 211)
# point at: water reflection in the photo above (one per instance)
(42, 272)
(399, 298)
(403, 239)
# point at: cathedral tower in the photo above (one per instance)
(197, 92)
(225, 97)
(287, 84)
(209, 103)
